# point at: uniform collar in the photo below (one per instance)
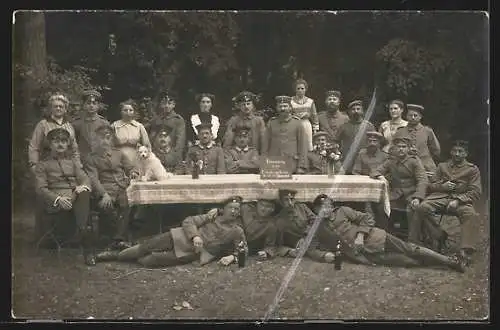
(415, 128)
(120, 123)
(451, 164)
(208, 146)
(333, 114)
(103, 152)
(51, 119)
(375, 154)
(247, 116)
(91, 118)
(287, 119)
(240, 150)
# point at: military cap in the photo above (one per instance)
(287, 193)
(232, 199)
(320, 199)
(319, 134)
(283, 99)
(375, 134)
(91, 92)
(168, 96)
(461, 143)
(163, 130)
(57, 133)
(415, 107)
(104, 129)
(268, 195)
(400, 136)
(198, 97)
(241, 129)
(203, 126)
(245, 96)
(355, 102)
(333, 93)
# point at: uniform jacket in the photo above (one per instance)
(292, 225)
(346, 136)
(58, 177)
(212, 157)
(366, 163)
(286, 137)
(85, 132)
(176, 123)
(407, 178)
(257, 130)
(331, 122)
(425, 142)
(108, 171)
(242, 161)
(318, 163)
(260, 232)
(170, 160)
(466, 176)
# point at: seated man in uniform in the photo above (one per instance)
(65, 188)
(240, 157)
(162, 148)
(202, 237)
(206, 153)
(110, 172)
(323, 156)
(258, 223)
(358, 237)
(407, 184)
(453, 189)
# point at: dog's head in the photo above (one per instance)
(143, 152)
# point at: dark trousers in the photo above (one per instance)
(116, 218)
(465, 213)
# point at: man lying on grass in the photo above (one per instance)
(202, 237)
(359, 237)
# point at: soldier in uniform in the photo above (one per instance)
(351, 132)
(371, 157)
(110, 172)
(168, 117)
(202, 237)
(424, 142)
(64, 187)
(241, 158)
(453, 190)
(259, 224)
(285, 136)
(246, 103)
(163, 148)
(210, 156)
(332, 118)
(88, 122)
(323, 155)
(407, 183)
(361, 241)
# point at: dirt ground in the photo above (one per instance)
(48, 286)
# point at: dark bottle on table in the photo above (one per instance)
(242, 254)
(196, 170)
(338, 256)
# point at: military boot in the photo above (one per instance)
(87, 242)
(429, 255)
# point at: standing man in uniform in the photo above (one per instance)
(332, 119)
(407, 183)
(285, 136)
(453, 189)
(424, 142)
(89, 120)
(242, 158)
(355, 129)
(245, 101)
(168, 117)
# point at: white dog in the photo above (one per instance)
(150, 166)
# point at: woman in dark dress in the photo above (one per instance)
(204, 116)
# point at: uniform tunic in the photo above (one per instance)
(242, 161)
(425, 142)
(346, 136)
(212, 157)
(128, 135)
(260, 232)
(388, 128)
(366, 163)
(36, 148)
(257, 130)
(330, 122)
(85, 132)
(307, 113)
(178, 126)
(286, 137)
(318, 163)
(169, 159)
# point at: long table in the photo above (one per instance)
(215, 188)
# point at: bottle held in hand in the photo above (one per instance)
(242, 254)
(338, 256)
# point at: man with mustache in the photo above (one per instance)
(347, 133)
(325, 157)
(242, 158)
(209, 156)
(332, 119)
(163, 149)
(202, 237)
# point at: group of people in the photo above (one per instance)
(88, 164)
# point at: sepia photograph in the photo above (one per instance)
(252, 166)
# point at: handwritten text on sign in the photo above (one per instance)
(275, 167)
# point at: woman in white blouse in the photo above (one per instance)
(389, 127)
(304, 108)
(205, 101)
(129, 132)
